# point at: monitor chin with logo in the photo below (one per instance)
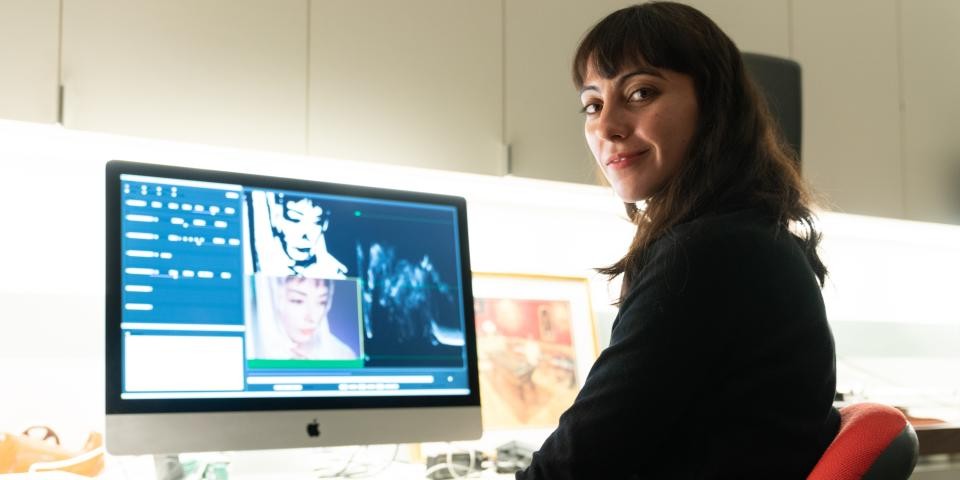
(313, 429)
(240, 303)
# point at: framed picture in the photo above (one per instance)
(535, 343)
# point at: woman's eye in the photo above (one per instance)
(590, 108)
(642, 93)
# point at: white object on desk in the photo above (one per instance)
(57, 475)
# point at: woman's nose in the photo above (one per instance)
(612, 124)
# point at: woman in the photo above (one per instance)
(301, 310)
(721, 361)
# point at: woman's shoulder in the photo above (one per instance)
(727, 225)
(732, 251)
(738, 231)
(731, 242)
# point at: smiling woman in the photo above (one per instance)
(638, 125)
(720, 305)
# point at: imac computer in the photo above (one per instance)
(253, 312)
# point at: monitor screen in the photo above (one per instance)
(311, 308)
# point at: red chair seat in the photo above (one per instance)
(875, 442)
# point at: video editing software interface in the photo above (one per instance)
(232, 291)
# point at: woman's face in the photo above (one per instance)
(639, 125)
(302, 229)
(304, 306)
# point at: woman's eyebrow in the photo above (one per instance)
(589, 87)
(639, 71)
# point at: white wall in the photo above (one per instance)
(891, 301)
(892, 282)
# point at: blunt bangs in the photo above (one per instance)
(633, 37)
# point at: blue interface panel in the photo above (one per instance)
(232, 291)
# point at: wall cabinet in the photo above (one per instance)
(881, 108)
(851, 111)
(417, 82)
(759, 26)
(224, 72)
(479, 86)
(931, 109)
(29, 53)
(543, 126)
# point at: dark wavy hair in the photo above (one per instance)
(737, 158)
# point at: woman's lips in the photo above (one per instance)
(624, 160)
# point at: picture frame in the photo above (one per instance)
(536, 342)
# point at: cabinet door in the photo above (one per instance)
(931, 116)
(851, 114)
(225, 72)
(413, 82)
(29, 55)
(759, 26)
(544, 128)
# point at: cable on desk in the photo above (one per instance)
(448, 469)
(353, 469)
(56, 465)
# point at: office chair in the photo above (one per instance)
(875, 442)
(780, 81)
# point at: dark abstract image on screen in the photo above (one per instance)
(407, 306)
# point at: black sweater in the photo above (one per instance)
(721, 365)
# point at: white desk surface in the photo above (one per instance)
(278, 465)
(395, 472)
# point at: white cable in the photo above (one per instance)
(441, 466)
(83, 457)
(450, 465)
(358, 465)
(346, 466)
(380, 469)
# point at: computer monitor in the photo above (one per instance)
(253, 312)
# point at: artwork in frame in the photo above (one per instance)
(535, 343)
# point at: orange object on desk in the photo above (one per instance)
(19, 452)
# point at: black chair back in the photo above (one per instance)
(779, 79)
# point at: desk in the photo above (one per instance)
(938, 439)
(395, 472)
(264, 465)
